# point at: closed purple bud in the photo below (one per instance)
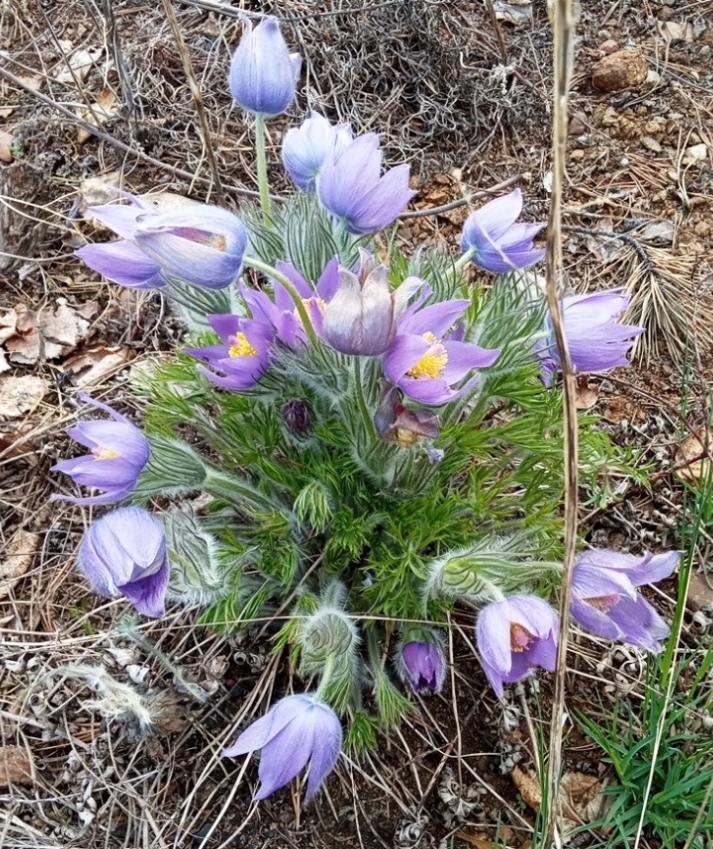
(514, 636)
(296, 732)
(118, 453)
(421, 661)
(203, 245)
(263, 72)
(595, 339)
(605, 600)
(351, 187)
(124, 553)
(307, 147)
(499, 244)
(297, 416)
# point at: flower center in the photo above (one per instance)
(604, 602)
(520, 638)
(433, 362)
(217, 241)
(104, 454)
(241, 347)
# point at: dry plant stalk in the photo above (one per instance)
(564, 25)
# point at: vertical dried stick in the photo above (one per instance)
(564, 24)
(197, 96)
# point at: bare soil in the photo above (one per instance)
(468, 104)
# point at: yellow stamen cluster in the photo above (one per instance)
(433, 362)
(104, 454)
(241, 347)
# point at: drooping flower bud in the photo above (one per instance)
(297, 416)
(124, 553)
(263, 72)
(307, 147)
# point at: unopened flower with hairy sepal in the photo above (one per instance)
(421, 661)
(124, 553)
(307, 147)
(495, 242)
(118, 453)
(595, 339)
(514, 636)
(263, 73)
(196, 573)
(203, 245)
(296, 732)
(244, 356)
(351, 187)
(427, 360)
(605, 600)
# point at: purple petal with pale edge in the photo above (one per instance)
(148, 595)
(436, 319)
(582, 311)
(83, 396)
(110, 497)
(256, 735)
(463, 357)
(590, 582)
(381, 205)
(492, 220)
(209, 354)
(492, 635)
(187, 260)
(501, 262)
(123, 262)
(494, 676)
(225, 325)
(233, 382)
(519, 238)
(120, 218)
(345, 178)
(655, 568)
(111, 475)
(306, 147)
(403, 353)
(122, 437)
(594, 620)
(286, 754)
(259, 303)
(519, 669)
(326, 750)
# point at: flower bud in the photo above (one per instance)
(421, 661)
(263, 72)
(196, 576)
(359, 319)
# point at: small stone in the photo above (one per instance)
(576, 155)
(15, 766)
(609, 46)
(697, 152)
(577, 124)
(651, 144)
(621, 70)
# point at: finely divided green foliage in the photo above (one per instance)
(297, 506)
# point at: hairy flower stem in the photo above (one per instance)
(262, 166)
(223, 485)
(461, 262)
(361, 401)
(321, 693)
(269, 271)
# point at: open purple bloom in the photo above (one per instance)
(124, 553)
(514, 636)
(203, 245)
(595, 339)
(499, 244)
(605, 600)
(422, 663)
(426, 360)
(307, 147)
(118, 453)
(296, 731)
(244, 356)
(123, 262)
(351, 187)
(263, 72)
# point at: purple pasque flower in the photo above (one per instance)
(263, 73)
(203, 245)
(426, 359)
(605, 600)
(514, 636)
(244, 356)
(305, 148)
(118, 453)
(123, 262)
(421, 660)
(351, 187)
(395, 422)
(595, 339)
(281, 312)
(124, 553)
(297, 731)
(497, 242)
